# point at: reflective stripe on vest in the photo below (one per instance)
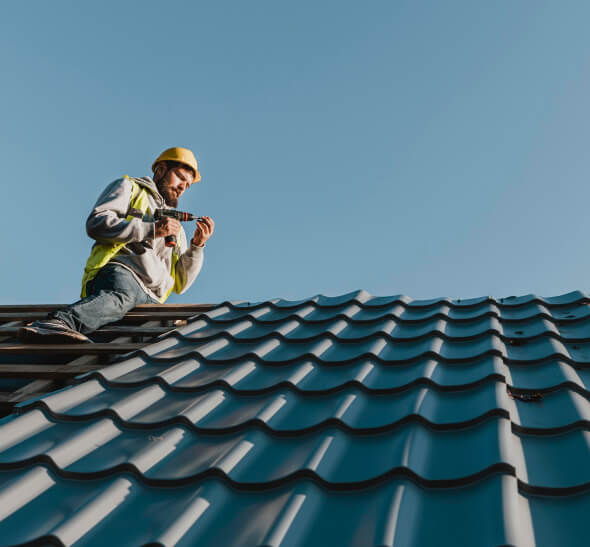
(102, 253)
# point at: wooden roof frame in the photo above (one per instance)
(137, 329)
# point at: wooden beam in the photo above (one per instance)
(108, 348)
(4, 335)
(130, 330)
(20, 308)
(133, 316)
(33, 389)
(49, 371)
(6, 398)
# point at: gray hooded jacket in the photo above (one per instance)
(145, 256)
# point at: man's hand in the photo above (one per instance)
(167, 227)
(203, 231)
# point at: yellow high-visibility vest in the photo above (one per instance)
(102, 253)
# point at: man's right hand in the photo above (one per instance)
(167, 227)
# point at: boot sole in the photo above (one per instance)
(36, 335)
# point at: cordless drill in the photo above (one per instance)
(170, 241)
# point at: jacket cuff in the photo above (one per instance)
(194, 250)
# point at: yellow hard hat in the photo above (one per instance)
(181, 155)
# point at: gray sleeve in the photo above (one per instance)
(107, 222)
(187, 268)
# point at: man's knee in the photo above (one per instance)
(124, 300)
(120, 285)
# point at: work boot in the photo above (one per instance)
(50, 331)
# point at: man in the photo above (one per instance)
(131, 262)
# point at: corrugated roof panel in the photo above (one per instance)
(351, 420)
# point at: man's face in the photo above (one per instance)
(173, 183)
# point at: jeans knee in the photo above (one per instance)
(124, 300)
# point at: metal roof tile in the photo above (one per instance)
(124, 511)
(272, 423)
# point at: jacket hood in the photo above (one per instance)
(148, 182)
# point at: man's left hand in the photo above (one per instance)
(203, 232)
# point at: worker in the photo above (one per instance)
(132, 261)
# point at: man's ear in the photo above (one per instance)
(160, 170)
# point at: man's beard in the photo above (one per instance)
(168, 195)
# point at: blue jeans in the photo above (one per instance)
(111, 294)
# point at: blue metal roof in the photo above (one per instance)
(353, 420)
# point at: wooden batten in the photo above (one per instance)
(138, 328)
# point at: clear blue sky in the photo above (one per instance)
(427, 148)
